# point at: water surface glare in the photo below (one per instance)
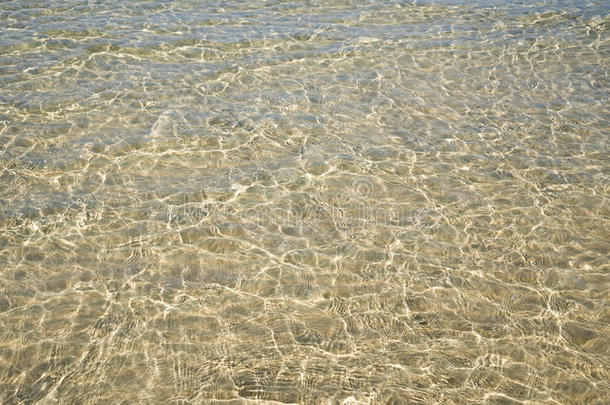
(313, 202)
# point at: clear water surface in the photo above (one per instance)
(318, 202)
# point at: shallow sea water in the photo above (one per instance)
(317, 202)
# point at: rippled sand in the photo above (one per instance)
(308, 202)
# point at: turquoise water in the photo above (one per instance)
(317, 202)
